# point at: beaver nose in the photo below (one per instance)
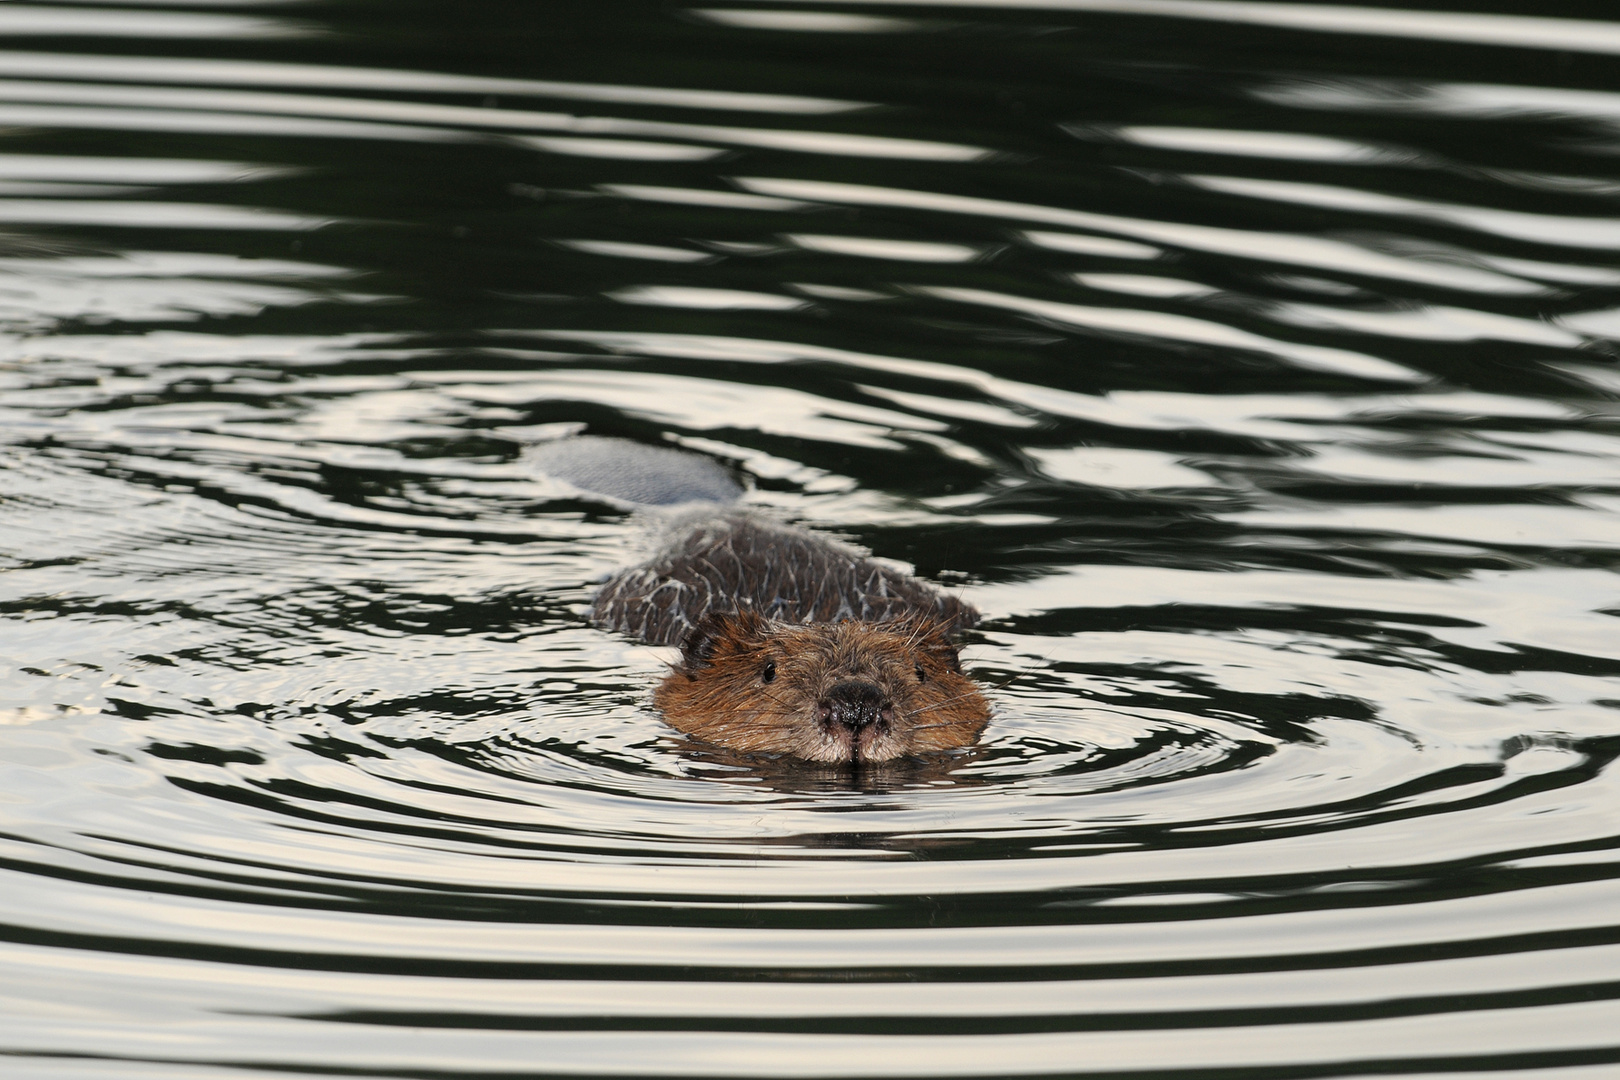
(854, 705)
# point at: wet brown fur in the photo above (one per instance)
(761, 686)
(735, 560)
(794, 643)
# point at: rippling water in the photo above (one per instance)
(1252, 366)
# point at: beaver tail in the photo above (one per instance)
(633, 472)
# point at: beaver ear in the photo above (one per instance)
(933, 636)
(945, 652)
(746, 622)
(699, 645)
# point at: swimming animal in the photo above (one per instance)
(792, 642)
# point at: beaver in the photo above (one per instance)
(794, 643)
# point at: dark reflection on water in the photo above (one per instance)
(1250, 365)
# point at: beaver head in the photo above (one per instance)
(833, 692)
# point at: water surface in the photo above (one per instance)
(1251, 366)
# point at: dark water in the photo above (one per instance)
(1251, 365)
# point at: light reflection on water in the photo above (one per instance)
(1251, 366)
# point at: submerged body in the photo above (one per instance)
(793, 643)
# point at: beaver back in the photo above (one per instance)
(739, 562)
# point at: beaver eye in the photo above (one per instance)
(922, 676)
(768, 672)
